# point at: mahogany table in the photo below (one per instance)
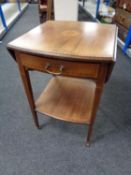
(79, 55)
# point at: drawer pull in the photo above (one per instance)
(51, 72)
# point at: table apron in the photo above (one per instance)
(60, 67)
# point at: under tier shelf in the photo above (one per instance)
(68, 99)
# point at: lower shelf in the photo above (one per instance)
(68, 99)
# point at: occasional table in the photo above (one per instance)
(79, 55)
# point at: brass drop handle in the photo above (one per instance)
(47, 66)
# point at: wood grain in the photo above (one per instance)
(28, 89)
(73, 69)
(68, 99)
(70, 40)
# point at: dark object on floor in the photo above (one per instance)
(45, 8)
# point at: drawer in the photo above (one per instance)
(123, 17)
(59, 67)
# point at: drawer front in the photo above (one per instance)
(123, 17)
(57, 67)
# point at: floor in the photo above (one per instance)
(58, 148)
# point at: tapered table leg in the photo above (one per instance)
(98, 93)
(28, 90)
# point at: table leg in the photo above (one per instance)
(28, 90)
(49, 9)
(98, 93)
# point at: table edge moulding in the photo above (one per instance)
(79, 55)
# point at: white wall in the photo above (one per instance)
(66, 10)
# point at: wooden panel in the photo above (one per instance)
(75, 69)
(43, 8)
(72, 40)
(122, 32)
(125, 4)
(68, 99)
(123, 17)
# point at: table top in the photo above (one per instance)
(82, 41)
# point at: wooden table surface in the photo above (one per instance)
(71, 40)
